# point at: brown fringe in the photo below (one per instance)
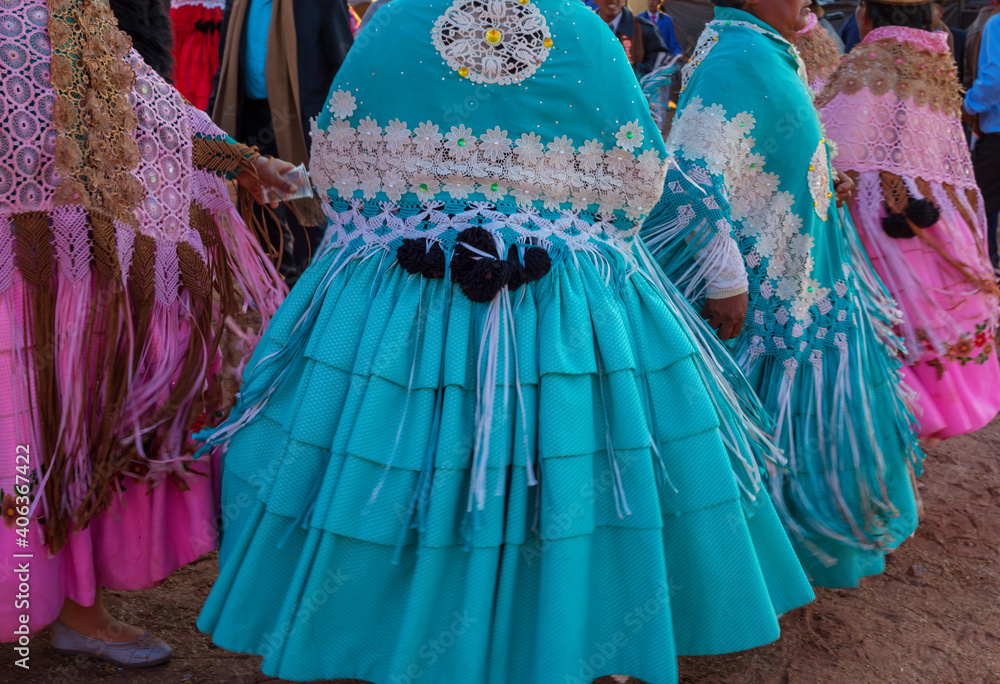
(953, 196)
(972, 194)
(33, 255)
(109, 344)
(218, 156)
(105, 245)
(142, 272)
(194, 273)
(894, 191)
(924, 188)
(985, 285)
(203, 222)
(248, 208)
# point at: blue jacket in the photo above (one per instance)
(666, 26)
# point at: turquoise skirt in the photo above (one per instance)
(388, 519)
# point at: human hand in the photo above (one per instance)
(726, 316)
(844, 187)
(271, 172)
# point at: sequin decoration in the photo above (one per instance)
(492, 41)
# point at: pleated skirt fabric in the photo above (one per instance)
(535, 490)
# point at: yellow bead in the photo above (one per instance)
(463, 72)
(548, 42)
(829, 195)
(812, 168)
(493, 36)
(525, 2)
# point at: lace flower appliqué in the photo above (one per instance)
(342, 104)
(492, 41)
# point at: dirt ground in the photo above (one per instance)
(932, 618)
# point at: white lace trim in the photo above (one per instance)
(706, 41)
(492, 41)
(432, 222)
(426, 164)
(761, 210)
(819, 180)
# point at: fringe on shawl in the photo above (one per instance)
(109, 388)
(827, 414)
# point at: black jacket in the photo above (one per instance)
(147, 23)
(323, 37)
(649, 49)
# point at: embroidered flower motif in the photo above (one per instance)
(591, 154)
(762, 211)
(629, 136)
(494, 190)
(459, 187)
(370, 159)
(369, 133)
(424, 186)
(397, 136)
(618, 160)
(460, 141)
(370, 183)
(528, 148)
(427, 139)
(524, 196)
(583, 199)
(561, 151)
(494, 144)
(393, 185)
(649, 162)
(342, 104)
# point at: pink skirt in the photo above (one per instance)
(949, 323)
(154, 526)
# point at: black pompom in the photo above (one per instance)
(486, 278)
(518, 276)
(416, 258)
(464, 260)
(537, 262)
(434, 262)
(895, 226)
(924, 213)
(410, 254)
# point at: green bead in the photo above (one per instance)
(423, 187)
(629, 135)
(810, 289)
(495, 187)
(461, 142)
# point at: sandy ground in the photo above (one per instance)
(932, 618)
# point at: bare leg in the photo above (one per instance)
(95, 621)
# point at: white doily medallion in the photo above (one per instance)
(492, 41)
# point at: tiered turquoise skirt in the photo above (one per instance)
(371, 532)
